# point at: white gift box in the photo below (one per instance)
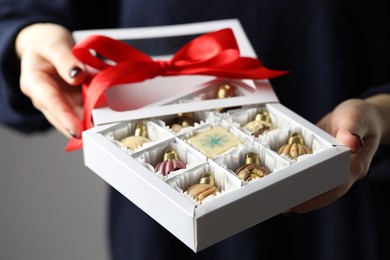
(164, 198)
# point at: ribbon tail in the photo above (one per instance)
(269, 73)
(92, 93)
(74, 144)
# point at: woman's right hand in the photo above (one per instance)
(51, 75)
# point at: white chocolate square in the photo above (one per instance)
(214, 142)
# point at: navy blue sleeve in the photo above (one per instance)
(16, 110)
(385, 88)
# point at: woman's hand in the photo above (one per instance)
(361, 125)
(50, 75)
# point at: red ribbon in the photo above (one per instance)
(214, 54)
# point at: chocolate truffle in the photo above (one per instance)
(252, 168)
(170, 162)
(261, 124)
(295, 147)
(138, 139)
(204, 188)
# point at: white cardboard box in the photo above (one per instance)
(202, 225)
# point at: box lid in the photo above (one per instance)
(141, 100)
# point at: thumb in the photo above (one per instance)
(53, 43)
(352, 140)
(350, 130)
(68, 67)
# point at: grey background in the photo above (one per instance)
(51, 205)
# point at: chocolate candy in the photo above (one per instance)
(181, 121)
(170, 163)
(214, 142)
(252, 168)
(138, 139)
(295, 147)
(261, 124)
(204, 188)
(224, 91)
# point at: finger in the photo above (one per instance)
(47, 95)
(67, 66)
(63, 116)
(57, 124)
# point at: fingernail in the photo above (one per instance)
(74, 72)
(72, 134)
(360, 139)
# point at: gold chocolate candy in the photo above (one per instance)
(225, 91)
(252, 168)
(181, 121)
(214, 142)
(261, 124)
(204, 188)
(294, 147)
(138, 139)
(170, 162)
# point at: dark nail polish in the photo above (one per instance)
(72, 134)
(360, 139)
(74, 72)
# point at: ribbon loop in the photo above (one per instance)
(213, 54)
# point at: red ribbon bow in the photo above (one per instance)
(214, 54)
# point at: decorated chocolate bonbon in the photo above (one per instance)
(261, 124)
(252, 168)
(295, 147)
(214, 142)
(225, 90)
(181, 121)
(169, 163)
(138, 139)
(204, 188)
